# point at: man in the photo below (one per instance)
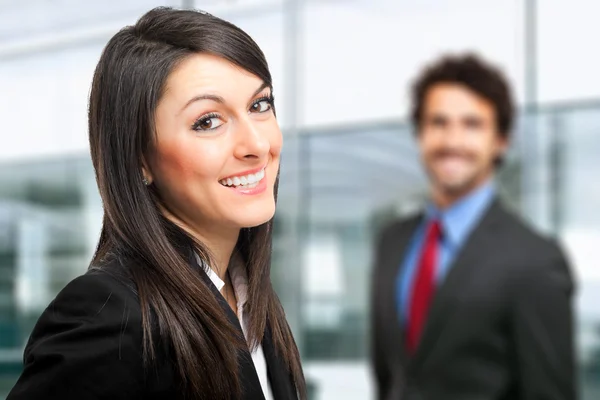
(468, 302)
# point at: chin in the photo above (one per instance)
(252, 218)
(456, 187)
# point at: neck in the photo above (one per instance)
(219, 242)
(444, 198)
(221, 246)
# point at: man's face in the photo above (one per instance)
(458, 138)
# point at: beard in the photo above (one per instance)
(456, 187)
(455, 173)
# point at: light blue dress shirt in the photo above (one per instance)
(457, 222)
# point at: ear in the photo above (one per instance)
(146, 173)
(502, 144)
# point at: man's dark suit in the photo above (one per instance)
(500, 326)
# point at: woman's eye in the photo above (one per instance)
(207, 124)
(261, 106)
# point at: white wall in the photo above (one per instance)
(568, 56)
(43, 106)
(362, 55)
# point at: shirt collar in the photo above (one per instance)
(214, 278)
(239, 278)
(459, 219)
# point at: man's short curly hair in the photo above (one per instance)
(474, 73)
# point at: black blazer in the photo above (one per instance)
(500, 326)
(88, 345)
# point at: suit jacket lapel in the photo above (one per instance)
(251, 388)
(392, 260)
(282, 384)
(468, 259)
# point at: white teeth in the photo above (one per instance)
(247, 180)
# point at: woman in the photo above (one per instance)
(178, 301)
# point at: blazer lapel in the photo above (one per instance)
(392, 259)
(282, 384)
(251, 388)
(468, 259)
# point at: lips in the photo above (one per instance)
(248, 180)
(452, 161)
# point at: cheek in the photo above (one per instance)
(429, 144)
(484, 149)
(275, 139)
(185, 163)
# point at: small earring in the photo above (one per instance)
(145, 181)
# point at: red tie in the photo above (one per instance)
(423, 286)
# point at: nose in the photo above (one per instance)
(251, 143)
(453, 136)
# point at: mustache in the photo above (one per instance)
(444, 153)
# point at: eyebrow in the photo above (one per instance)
(219, 99)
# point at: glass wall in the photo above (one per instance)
(49, 212)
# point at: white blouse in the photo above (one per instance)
(239, 281)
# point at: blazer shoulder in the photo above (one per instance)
(537, 254)
(97, 294)
(531, 239)
(86, 344)
(391, 228)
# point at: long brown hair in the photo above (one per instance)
(176, 304)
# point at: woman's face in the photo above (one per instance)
(216, 155)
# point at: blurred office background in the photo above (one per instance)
(342, 70)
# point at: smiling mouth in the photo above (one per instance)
(244, 181)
